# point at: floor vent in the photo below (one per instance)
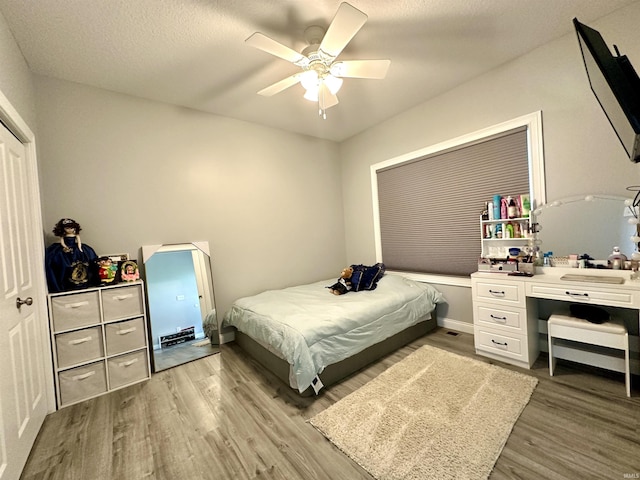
(455, 334)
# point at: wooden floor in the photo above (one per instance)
(223, 417)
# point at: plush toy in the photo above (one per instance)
(343, 285)
(106, 270)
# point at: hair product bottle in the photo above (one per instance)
(512, 209)
(503, 208)
(497, 201)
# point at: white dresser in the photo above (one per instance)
(99, 340)
(505, 309)
(504, 321)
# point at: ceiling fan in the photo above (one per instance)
(322, 74)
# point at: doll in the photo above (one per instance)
(69, 265)
(68, 229)
(129, 271)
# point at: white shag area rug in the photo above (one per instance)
(434, 415)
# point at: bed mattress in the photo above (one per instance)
(311, 328)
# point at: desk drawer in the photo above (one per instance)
(512, 346)
(511, 293)
(496, 316)
(574, 293)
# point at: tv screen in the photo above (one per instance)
(616, 86)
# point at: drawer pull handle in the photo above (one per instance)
(76, 305)
(126, 330)
(496, 292)
(78, 341)
(128, 364)
(501, 344)
(83, 376)
(123, 297)
(502, 319)
(573, 294)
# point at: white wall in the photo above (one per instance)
(582, 154)
(270, 203)
(134, 172)
(15, 77)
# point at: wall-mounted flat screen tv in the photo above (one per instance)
(616, 86)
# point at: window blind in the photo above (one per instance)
(430, 207)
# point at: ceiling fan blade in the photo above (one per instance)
(344, 26)
(326, 99)
(280, 86)
(269, 45)
(375, 69)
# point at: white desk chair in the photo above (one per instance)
(612, 334)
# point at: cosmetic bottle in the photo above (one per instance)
(525, 206)
(512, 209)
(503, 208)
(497, 201)
(509, 231)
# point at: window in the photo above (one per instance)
(427, 204)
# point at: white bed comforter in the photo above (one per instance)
(311, 328)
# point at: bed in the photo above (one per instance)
(304, 333)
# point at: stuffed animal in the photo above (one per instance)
(343, 285)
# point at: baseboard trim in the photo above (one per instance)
(454, 324)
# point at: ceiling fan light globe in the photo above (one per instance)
(309, 80)
(312, 94)
(333, 83)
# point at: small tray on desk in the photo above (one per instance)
(574, 277)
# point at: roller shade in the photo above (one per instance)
(430, 207)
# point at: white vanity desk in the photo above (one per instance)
(506, 323)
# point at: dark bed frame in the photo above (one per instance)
(335, 372)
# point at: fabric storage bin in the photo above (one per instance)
(74, 311)
(79, 346)
(125, 336)
(128, 368)
(82, 382)
(122, 302)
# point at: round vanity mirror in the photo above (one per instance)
(592, 224)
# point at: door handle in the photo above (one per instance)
(20, 302)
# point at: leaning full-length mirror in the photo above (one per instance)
(183, 324)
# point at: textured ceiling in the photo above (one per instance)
(192, 52)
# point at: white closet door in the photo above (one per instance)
(23, 399)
